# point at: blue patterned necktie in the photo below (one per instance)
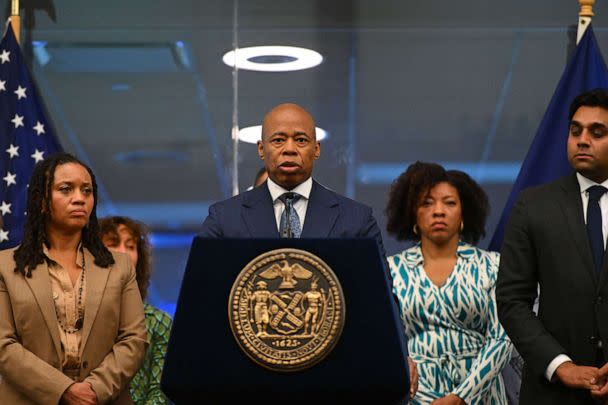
(290, 222)
(594, 225)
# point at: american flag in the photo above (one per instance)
(26, 137)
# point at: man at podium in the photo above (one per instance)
(290, 204)
(286, 308)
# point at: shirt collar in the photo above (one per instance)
(79, 254)
(414, 254)
(302, 189)
(585, 183)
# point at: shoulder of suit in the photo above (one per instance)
(122, 261)
(4, 253)
(235, 200)
(6, 259)
(550, 187)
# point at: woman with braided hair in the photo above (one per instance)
(72, 325)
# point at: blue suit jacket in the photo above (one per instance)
(328, 215)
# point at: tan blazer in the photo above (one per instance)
(114, 336)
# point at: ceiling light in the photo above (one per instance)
(254, 134)
(273, 58)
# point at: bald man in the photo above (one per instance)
(289, 148)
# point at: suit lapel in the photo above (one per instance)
(258, 213)
(40, 284)
(321, 212)
(573, 210)
(603, 274)
(96, 279)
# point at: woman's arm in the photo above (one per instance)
(496, 351)
(22, 369)
(119, 366)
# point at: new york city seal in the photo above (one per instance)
(286, 309)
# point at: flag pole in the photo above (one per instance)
(584, 17)
(15, 18)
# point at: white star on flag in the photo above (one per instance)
(13, 151)
(39, 128)
(5, 208)
(20, 92)
(4, 56)
(17, 120)
(27, 137)
(37, 156)
(10, 179)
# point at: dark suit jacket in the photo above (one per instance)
(546, 242)
(328, 215)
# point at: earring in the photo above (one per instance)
(461, 226)
(415, 229)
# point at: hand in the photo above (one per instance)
(450, 399)
(79, 394)
(578, 377)
(600, 395)
(413, 377)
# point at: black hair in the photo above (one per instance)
(30, 253)
(407, 190)
(592, 98)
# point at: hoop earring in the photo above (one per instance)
(415, 229)
(461, 226)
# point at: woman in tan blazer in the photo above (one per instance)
(72, 325)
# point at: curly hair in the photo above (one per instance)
(30, 253)
(407, 190)
(109, 227)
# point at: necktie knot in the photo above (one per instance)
(596, 192)
(289, 198)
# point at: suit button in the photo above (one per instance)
(596, 342)
(85, 364)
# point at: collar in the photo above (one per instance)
(79, 255)
(414, 256)
(585, 183)
(276, 191)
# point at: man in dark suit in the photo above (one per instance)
(289, 148)
(556, 240)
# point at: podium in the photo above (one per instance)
(205, 365)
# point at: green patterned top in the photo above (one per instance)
(145, 386)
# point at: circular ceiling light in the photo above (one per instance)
(254, 134)
(273, 58)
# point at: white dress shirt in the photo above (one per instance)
(303, 189)
(584, 184)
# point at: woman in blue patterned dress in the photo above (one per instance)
(445, 287)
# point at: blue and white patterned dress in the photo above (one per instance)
(453, 331)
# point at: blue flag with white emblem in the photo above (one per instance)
(26, 137)
(547, 158)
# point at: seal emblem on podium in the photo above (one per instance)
(286, 310)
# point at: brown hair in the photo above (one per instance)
(143, 269)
